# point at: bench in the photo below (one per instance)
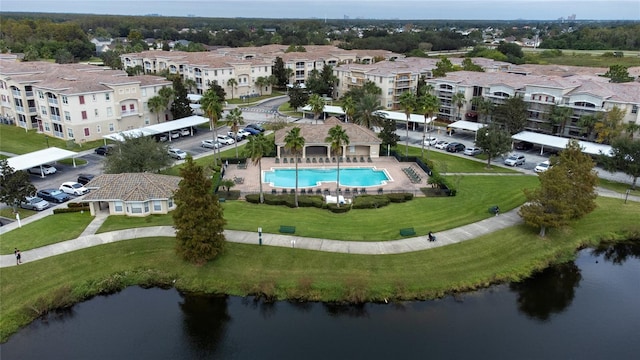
(285, 229)
(493, 209)
(407, 232)
(222, 200)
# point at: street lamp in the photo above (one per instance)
(47, 139)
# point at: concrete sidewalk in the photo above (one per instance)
(448, 237)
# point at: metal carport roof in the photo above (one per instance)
(467, 125)
(164, 127)
(40, 157)
(400, 116)
(558, 142)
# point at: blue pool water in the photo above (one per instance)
(356, 177)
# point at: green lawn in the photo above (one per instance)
(18, 141)
(507, 255)
(447, 163)
(619, 187)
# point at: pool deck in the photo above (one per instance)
(399, 180)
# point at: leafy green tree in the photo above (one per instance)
(459, 100)
(566, 192)
(369, 87)
(443, 66)
(349, 108)
(366, 112)
(278, 70)
(236, 119)
(610, 125)
(232, 83)
(558, 117)
(625, 157)
(317, 105)
(337, 138)
(484, 108)
(588, 123)
(220, 93)
(63, 56)
(180, 107)
(31, 54)
(227, 184)
(14, 185)
(618, 74)
(257, 147)
(298, 97)
(388, 133)
(294, 142)
(322, 82)
(493, 141)
(408, 103)
(469, 65)
(212, 107)
(190, 84)
(513, 52)
(262, 82)
(156, 105)
(137, 155)
(198, 217)
(631, 129)
(428, 104)
(512, 115)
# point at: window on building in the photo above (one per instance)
(87, 132)
(157, 205)
(67, 116)
(132, 107)
(143, 92)
(117, 206)
(146, 206)
(93, 97)
(81, 97)
(84, 115)
(43, 109)
(98, 129)
(634, 109)
(65, 100)
(136, 208)
(95, 112)
(109, 111)
(70, 133)
(47, 128)
(40, 95)
(107, 97)
(111, 127)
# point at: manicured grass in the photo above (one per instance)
(69, 162)
(17, 141)
(447, 163)
(49, 230)
(24, 213)
(619, 187)
(114, 223)
(575, 58)
(507, 255)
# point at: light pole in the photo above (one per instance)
(47, 139)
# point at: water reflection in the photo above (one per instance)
(548, 292)
(620, 252)
(205, 320)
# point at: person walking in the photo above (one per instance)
(431, 236)
(18, 256)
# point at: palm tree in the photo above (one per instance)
(337, 138)
(167, 94)
(288, 73)
(294, 142)
(459, 100)
(484, 107)
(408, 104)
(366, 111)
(261, 82)
(212, 107)
(232, 83)
(428, 104)
(156, 105)
(349, 108)
(235, 117)
(559, 116)
(190, 84)
(257, 147)
(317, 105)
(631, 128)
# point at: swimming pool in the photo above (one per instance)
(356, 177)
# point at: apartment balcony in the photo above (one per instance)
(29, 93)
(58, 134)
(53, 101)
(128, 113)
(33, 109)
(16, 93)
(20, 109)
(56, 118)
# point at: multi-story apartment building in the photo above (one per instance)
(237, 70)
(75, 102)
(584, 94)
(398, 76)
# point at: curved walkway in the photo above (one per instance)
(452, 236)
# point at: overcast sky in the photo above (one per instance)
(337, 9)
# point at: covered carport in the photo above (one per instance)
(468, 126)
(559, 143)
(327, 109)
(40, 157)
(165, 127)
(402, 117)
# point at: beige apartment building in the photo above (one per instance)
(75, 102)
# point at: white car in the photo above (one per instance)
(185, 132)
(472, 151)
(430, 141)
(542, 167)
(177, 154)
(174, 134)
(73, 188)
(514, 160)
(34, 203)
(210, 144)
(46, 170)
(441, 144)
(226, 140)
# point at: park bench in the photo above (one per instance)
(407, 232)
(285, 229)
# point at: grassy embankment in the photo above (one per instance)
(278, 273)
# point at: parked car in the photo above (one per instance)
(523, 145)
(177, 154)
(73, 188)
(104, 150)
(441, 144)
(455, 147)
(430, 141)
(185, 132)
(225, 140)
(515, 160)
(85, 178)
(174, 134)
(244, 133)
(472, 151)
(236, 137)
(256, 127)
(210, 144)
(46, 170)
(34, 203)
(542, 167)
(53, 195)
(252, 131)
(162, 137)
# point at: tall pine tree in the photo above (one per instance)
(180, 107)
(198, 217)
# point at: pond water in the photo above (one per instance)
(586, 309)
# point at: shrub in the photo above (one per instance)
(73, 205)
(71, 209)
(370, 201)
(310, 201)
(338, 210)
(253, 198)
(399, 197)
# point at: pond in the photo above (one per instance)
(586, 309)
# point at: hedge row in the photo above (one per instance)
(71, 209)
(359, 202)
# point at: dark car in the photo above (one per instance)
(524, 145)
(455, 147)
(53, 195)
(252, 130)
(256, 127)
(104, 150)
(85, 178)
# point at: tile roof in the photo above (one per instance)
(316, 134)
(132, 187)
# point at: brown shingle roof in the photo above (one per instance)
(316, 134)
(132, 187)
